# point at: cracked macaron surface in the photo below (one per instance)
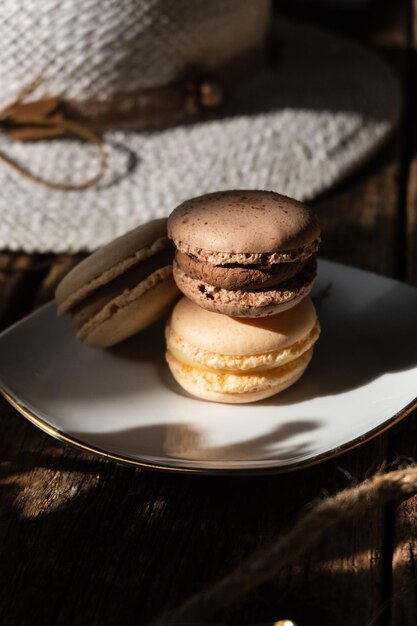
(244, 253)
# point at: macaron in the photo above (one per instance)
(244, 253)
(121, 288)
(235, 360)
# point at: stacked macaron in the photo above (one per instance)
(246, 262)
(121, 288)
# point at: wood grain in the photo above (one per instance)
(87, 541)
(20, 276)
(411, 173)
(404, 438)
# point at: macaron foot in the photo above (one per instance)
(240, 388)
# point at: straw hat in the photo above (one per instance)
(169, 99)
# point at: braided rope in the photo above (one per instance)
(351, 503)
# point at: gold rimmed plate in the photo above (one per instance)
(122, 403)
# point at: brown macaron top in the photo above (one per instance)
(244, 227)
(113, 260)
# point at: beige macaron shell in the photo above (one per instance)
(132, 317)
(237, 389)
(213, 332)
(192, 356)
(242, 221)
(110, 261)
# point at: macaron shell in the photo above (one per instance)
(237, 389)
(111, 261)
(195, 357)
(214, 333)
(247, 303)
(117, 292)
(134, 316)
(243, 221)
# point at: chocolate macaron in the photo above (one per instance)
(244, 253)
(122, 287)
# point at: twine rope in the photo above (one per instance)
(8, 117)
(195, 95)
(350, 503)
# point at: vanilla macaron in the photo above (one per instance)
(235, 360)
(121, 288)
(244, 253)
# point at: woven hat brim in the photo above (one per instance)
(298, 129)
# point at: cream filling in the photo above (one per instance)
(191, 356)
(264, 259)
(125, 298)
(226, 382)
(112, 273)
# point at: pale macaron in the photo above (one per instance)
(234, 360)
(121, 288)
(244, 253)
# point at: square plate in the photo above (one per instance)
(122, 403)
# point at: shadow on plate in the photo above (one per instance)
(184, 442)
(359, 347)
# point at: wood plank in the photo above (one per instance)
(411, 213)
(360, 221)
(382, 195)
(28, 281)
(411, 196)
(404, 568)
(20, 277)
(57, 269)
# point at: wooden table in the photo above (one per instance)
(86, 541)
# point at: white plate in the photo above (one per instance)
(123, 403)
